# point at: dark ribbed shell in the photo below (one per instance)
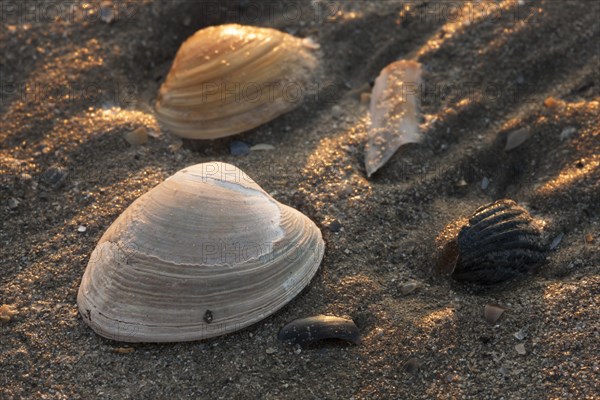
(498, 243)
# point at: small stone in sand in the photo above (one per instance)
(271, 350)
(238, 148)
(137, 137)
(413, 365)
(123, 350)
(55, 176)
(552, 102)
(521, 349)
(567, 132)
(13, 203)
(334, 226)
(6, 312)
(408, 287)
(485, 183)
(520, 335)
(107, 14)
(81, 229)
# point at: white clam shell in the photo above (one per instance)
(231, 78)
(204, 253)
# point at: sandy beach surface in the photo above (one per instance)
(75, 78)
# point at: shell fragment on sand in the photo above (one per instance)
(205, 253)
(394, 113)
(516, 138)
(262, 147)
(493, 312)
(306, 330)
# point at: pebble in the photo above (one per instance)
(7, 311)
(81, 229)
(13, 203)
(238, 148)
(408, 287)
(520, 348)
(107, 14)
(334, 226)
(271, 350)
(485, 183)
(137, 137)
(552, 102)
(55, 176)
(567, 133)
(413, 365)
(520, 335)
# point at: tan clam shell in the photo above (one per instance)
(204, 253)
(228, 79)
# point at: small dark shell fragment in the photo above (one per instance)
(306, 330)
(498, 243)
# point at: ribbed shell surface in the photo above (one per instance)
(231, 78)
(205, 253)
(499, 242)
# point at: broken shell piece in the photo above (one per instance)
(394, 112)
(262, 147)
(204, 253)
(556, 241)
(516, 138)
(231, 78)
(306, 330)
(493, 312)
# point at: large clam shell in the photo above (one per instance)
(204, 253)
(499, 242)
(231, 78)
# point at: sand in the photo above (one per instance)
(74, 84)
